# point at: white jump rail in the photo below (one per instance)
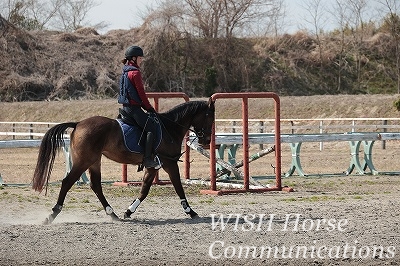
(313, 125)
(263, 138)
(231, 141)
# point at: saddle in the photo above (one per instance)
(134, 135)
(124, 117)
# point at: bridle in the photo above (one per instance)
(200, 133)
(203, 131)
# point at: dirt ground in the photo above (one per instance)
(358, 217)
(363, 211)
(329, 219)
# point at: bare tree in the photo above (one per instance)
(42, 11)
(167, 38)
(317, 19)
(277, 18)
(169, 15)
(238, 14)
(357, 25)
(66, 15)
(226, 18)
(221, 18)
(339, 12)
(392, 7)
(352, 17)
(205, 15)
(72, 14)
(17, 13)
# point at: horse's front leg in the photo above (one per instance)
(148, 178)
(173, 171)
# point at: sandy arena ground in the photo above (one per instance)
(328, 220)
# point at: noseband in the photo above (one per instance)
(202, 131)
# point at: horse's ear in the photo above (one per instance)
(211, 103)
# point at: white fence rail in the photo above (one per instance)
(36, 130)
(24, 130)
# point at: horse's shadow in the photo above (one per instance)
(209, 220)
(169, 221)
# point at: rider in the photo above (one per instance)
(134, 99)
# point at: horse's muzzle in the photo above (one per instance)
(206, 146)
(205, 142)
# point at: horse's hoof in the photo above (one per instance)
(46, 221)
(193, 214)
(114, 217)
(127, 214)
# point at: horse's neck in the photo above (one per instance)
(177, 129)
(180, 118)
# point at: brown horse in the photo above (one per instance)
(98, 135)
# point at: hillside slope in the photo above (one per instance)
(51, 65)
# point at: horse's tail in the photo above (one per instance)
(51, 143)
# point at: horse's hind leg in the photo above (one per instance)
(66, 185)
(95, 184)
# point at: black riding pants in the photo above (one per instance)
(142, 118)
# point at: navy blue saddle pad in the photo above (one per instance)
(134, 141)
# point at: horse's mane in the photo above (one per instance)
(181, 110)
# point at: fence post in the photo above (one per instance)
(292, 124)
(261, 146)
(321, 125)
(31, 131)
(385, 122)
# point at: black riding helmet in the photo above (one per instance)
(133, 51)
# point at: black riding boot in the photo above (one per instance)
(149, 160)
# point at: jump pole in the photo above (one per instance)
(246, 184)
(156, 96)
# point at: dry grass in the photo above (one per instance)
(327, 106)
(43, 65)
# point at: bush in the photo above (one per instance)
(396, 104)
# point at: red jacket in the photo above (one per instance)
(135, 77)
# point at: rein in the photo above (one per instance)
(177, 157)
(198, 133)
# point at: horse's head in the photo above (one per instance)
(203, 123)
